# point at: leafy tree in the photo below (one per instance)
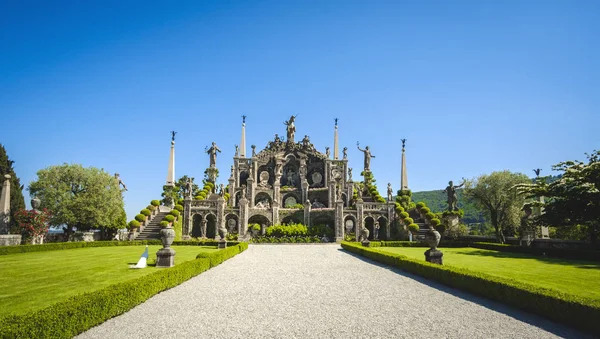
(178, 192)
(17, 202)
(573, 201)
(81, 198)
(495, 194)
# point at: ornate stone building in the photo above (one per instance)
(287, 182)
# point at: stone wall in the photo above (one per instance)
(10, 239)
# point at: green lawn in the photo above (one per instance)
(32, 281)
(581, 278)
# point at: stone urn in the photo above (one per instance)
(35, 203)
(167, 235)
(432, 237)
(223, 232)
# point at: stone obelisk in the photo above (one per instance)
(403, 175)
(243, 141)
(336, 151)
(5, 205)
(171, 171)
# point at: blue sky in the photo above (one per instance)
(475, 86)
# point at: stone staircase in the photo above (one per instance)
(151, 231)
(423, 227)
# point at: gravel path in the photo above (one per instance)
(319, 291)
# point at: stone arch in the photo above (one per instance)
(211, 225)
(369, 222)
(260, 219)
(350, 224)
(263, 197)
(294, 218)
(383, 225)
(345, 199)
(244, 177)
(232, 223)
(196, 231)
(295, 195)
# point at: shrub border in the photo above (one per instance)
(82, 312)
(5, 250)
(581, 313)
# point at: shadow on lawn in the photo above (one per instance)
(567, 262)
(560, 330)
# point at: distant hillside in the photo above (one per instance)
(436, 201)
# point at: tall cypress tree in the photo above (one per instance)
(17, 201)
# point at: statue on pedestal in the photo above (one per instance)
(237, 151)
(119, 181)
(291, 128)
(349, 173)
(368, 156)
(390, 192)
(188, 187)
(327, 152)
(364, 235)
(212, 151)
(452, 197)
(345, 152)
(253, 150)
(204, 222)
(376, 230)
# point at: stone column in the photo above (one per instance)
(171, 171)
(307, 213)
(339, 221)
(304, 190)
(403, 174)
(276, 212)
(359, 217)
(250, 188)
(5, 205)
(187, 218)
(390, 217)
(243, 224)
(331, 194)
(336, 151)
(231, 201)
(243, 141)
(220, 216)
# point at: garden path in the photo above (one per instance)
(319, 291)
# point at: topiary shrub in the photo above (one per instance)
(404, 215)
(169, 218)
(420, 205)
(434, 222)
(151, 208)
(424, 210)
(146, 212)
(164, 224)
(140, 217)
(179, 208)
(175, 213)
(134, 224)
(380, 199)
(408, 220)
(155, 203)
(429, 215)
(413, 228)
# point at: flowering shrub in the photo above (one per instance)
(32, 223)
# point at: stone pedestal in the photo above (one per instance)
(434, 256)
(222, 244)
(165, 257)
(366, 243)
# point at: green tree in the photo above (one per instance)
(17, 202)
(573, 201)
(81, 198)
(496, 196)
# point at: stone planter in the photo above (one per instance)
(432, 237)
(433, 255)
(167, 235)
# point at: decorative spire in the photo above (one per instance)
(243, 142)
(171, 170)
(336, 150)
(403, 174)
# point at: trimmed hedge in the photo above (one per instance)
(6, 250)
(578, 312)
(174, 213)
(155, 203)
(82, 312)
(169, 218)
(179, 208)
(146, 212)
(140, 217)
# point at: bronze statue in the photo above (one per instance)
(452, 196)
(345, 151)
(173, 135)
(537, 171)
(336, 120)
(403, 142)
(243, 119)
(237, 150)
(253, 150)
(291, 128)
(212, 151)
(368, 156)
(119, 181)
(327, 153)
(349, 173)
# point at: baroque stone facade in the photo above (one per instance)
(286, 182)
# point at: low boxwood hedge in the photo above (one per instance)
(80, 313)
(5, 250)
(581, 313)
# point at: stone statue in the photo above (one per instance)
(237, 150)
(364, 234)
(119, 181)
(305, 141)
(253, 150)
(188, 187)
(204, 222)
(173, 135)
(243, 119)
(336, 120)
(339, 193)
(390, 192)
(290, 178)
(345, 151)
(452, 197)
(221, 190)
(376, 230)
(327, 153)
(291, 128)
(403, 142)
(212, 151)
(349, 173)
(223, 232)
(368, 156)
(317, 204)
(231, 171)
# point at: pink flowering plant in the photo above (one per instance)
(32, 223)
